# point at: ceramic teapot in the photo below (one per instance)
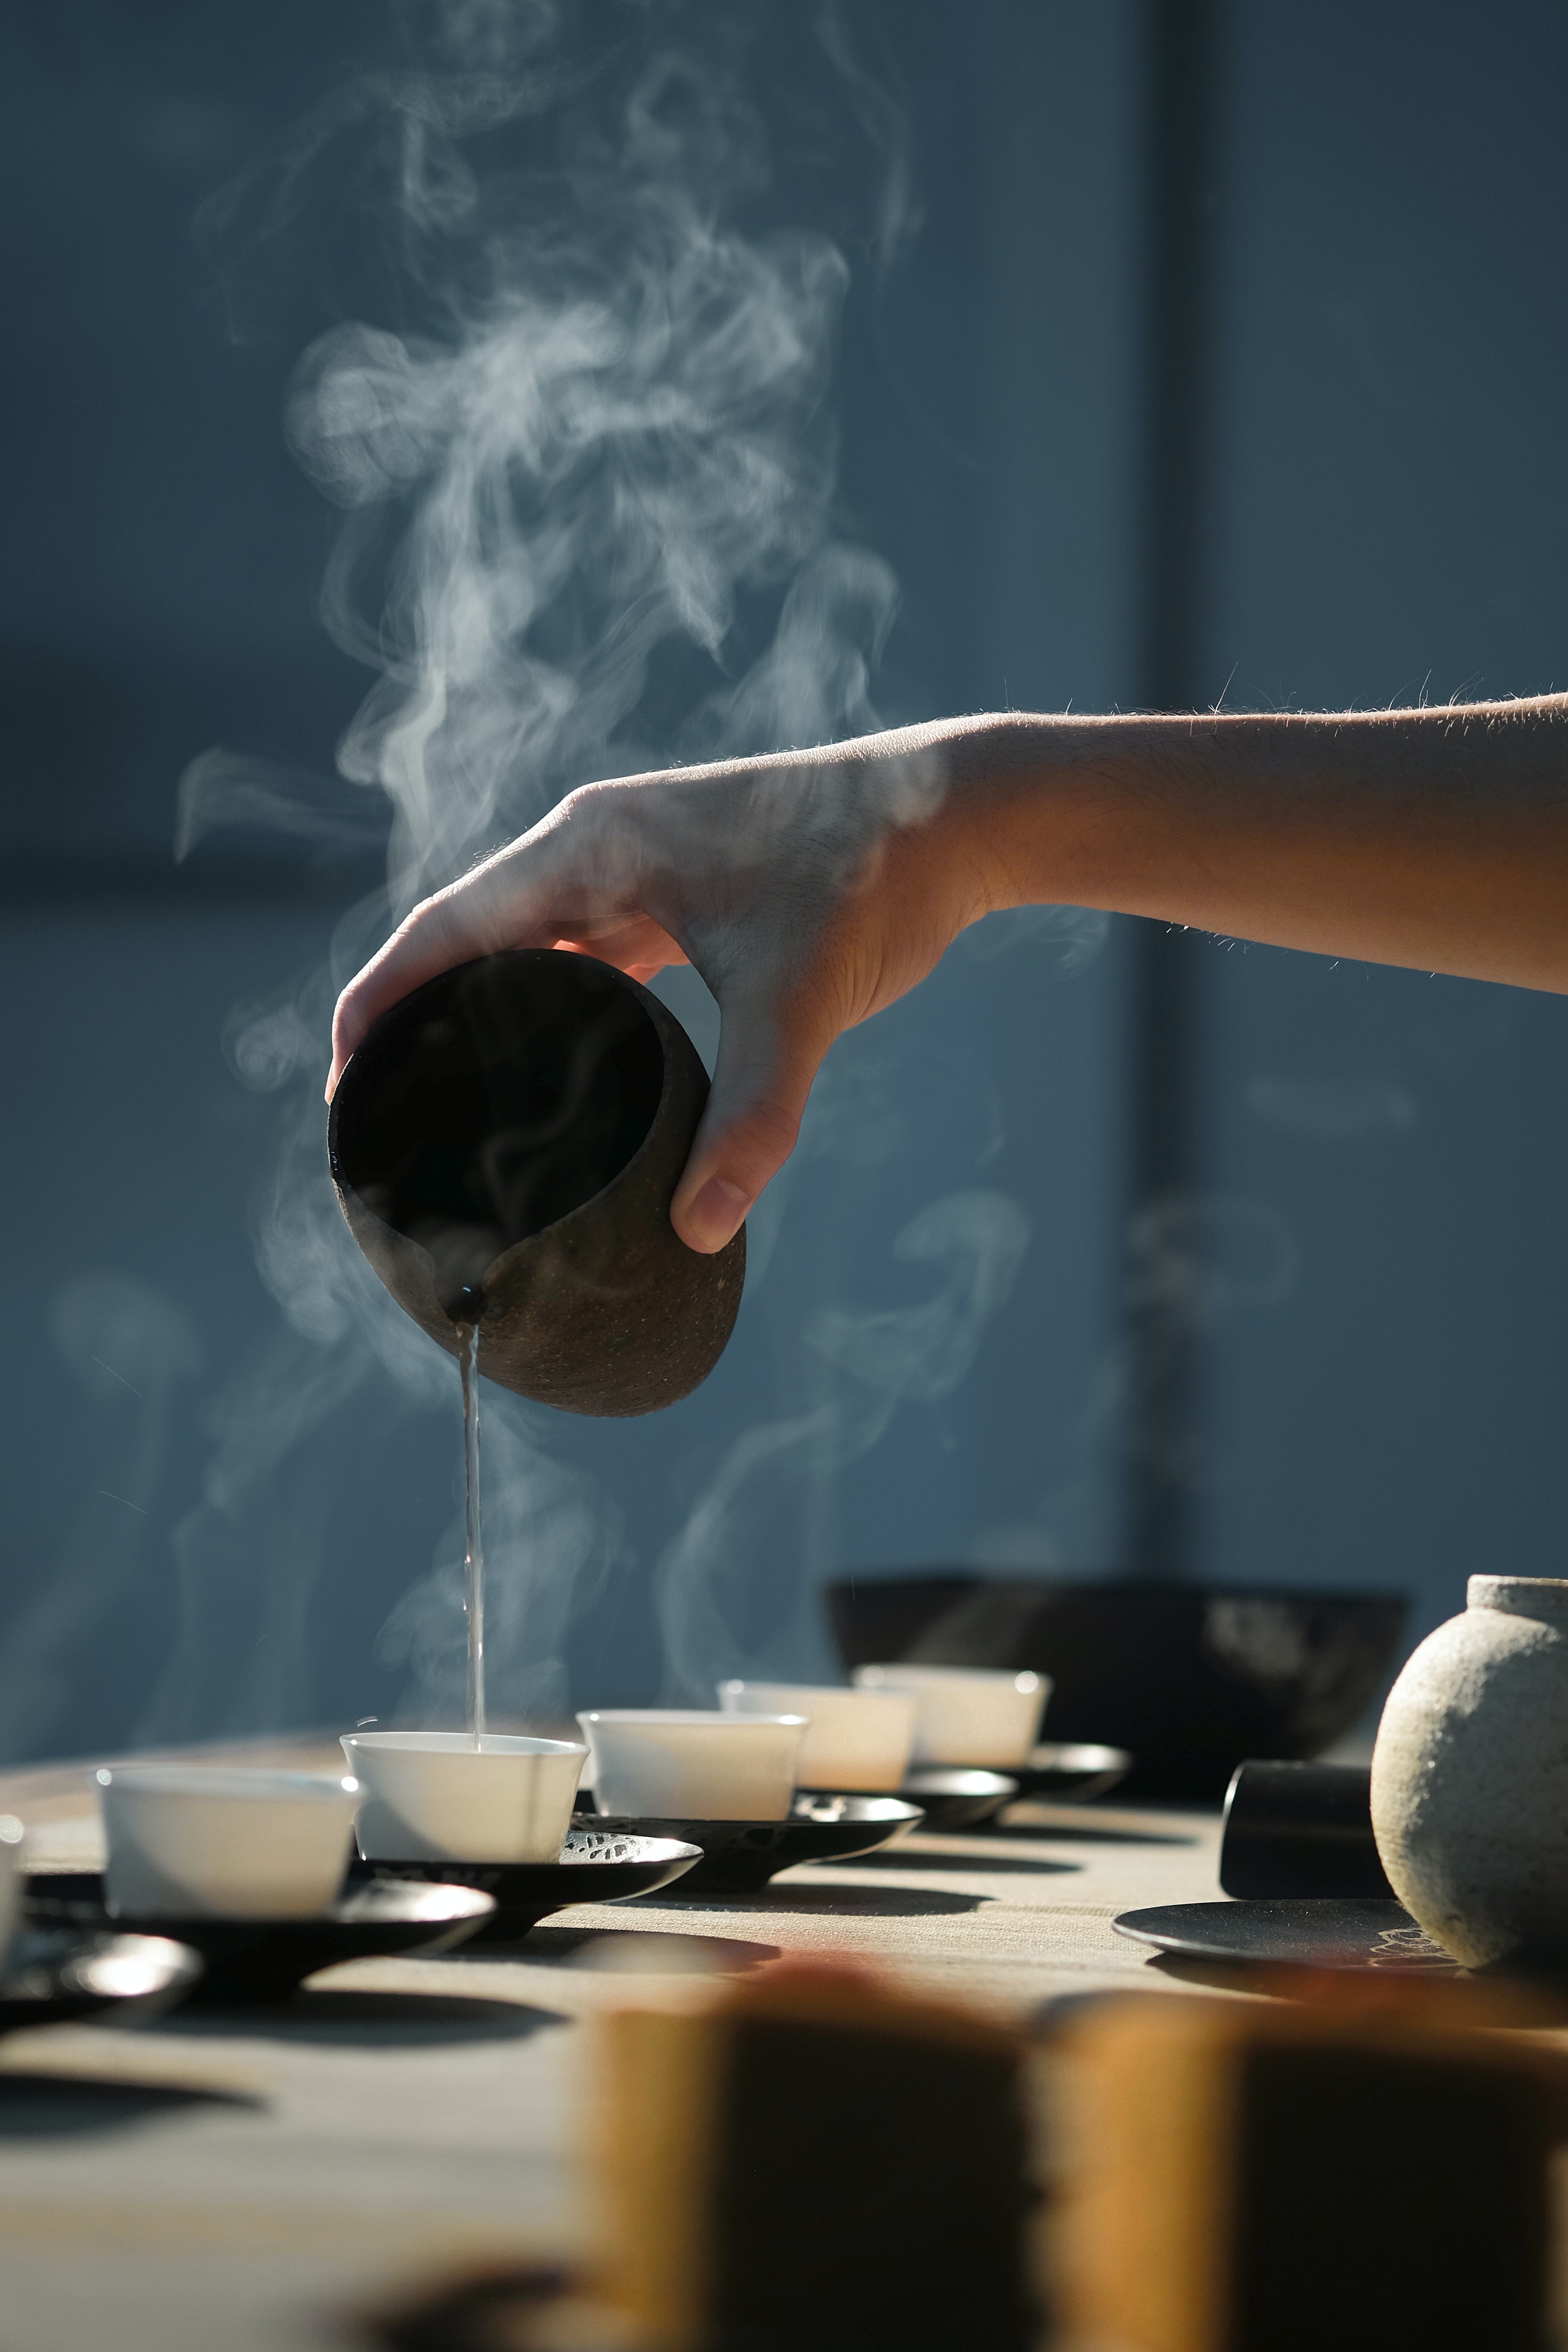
(505, 1143)
(1469, 1776)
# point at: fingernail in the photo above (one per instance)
(716, 1212)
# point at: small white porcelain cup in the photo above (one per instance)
(690, 1765)
(966, 1714)
(10, 1877)
(855, 1740)
(188, 1841)
(434, 1796)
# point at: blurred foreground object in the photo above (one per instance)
(506, 1143)
(813, 2160)
(1469, 1776)
(1242, 2178)
(1191, 1679)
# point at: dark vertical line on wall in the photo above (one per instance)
(1181, 53)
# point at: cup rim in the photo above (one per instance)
(259, 1784)
(693, 1717)
(1024, 1680)
(813, 1690)
(492, 1744)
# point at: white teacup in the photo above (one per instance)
(855, 1740)
(10, 1878)
(966, 1714)
(435, 1796)
(690, 1765)
(188, 1841)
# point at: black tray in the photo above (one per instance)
(737, 1857)
(60, 1970)
(1299, 1931)
(255, 1961)
(596, 1865)
(1071, 1771)
(1191, 1679)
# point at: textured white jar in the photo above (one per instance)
(1469, 1776)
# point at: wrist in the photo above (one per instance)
(1038, 809)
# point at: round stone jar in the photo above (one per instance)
(1469, 1776)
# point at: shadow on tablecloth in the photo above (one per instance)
(1085, 1832)
(65, 2106)
(1013, 1864)
(368, 2020)
(786, 1895)
(639, 1950)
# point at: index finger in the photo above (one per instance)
(496, 906)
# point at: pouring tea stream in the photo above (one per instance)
(473, 1531)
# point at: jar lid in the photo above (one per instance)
(1545, 1596)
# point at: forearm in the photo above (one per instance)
(1433, 839)
(813, 888)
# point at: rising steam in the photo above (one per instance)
(588, 472)
(1332, 1110)
(610, 434)
(880, 1360)
(131, 1351)
(1193, 1263)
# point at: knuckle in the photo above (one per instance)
(772, 1127)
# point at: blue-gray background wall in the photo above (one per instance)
(1391, 520)
(1383, 1384)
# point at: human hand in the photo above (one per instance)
(808, 890)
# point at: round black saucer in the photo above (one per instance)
(737, 1857)
(60, 1970)
(1071, 1771)
(1293, 1931)
(253, 1961)
(957, 1796)
(596, 1865)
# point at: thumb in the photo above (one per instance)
(768, 1057)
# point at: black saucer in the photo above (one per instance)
(957, 1796)
(254, 1961)
(1071, 1771)
(60, 1970)
(737, 1857)
(1293, 1931)
(596, 1865)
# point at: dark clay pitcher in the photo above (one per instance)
(506, 1143)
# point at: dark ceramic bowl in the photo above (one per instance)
(1190, 1679)
(58, 1970)
(252, 1962)
(506, 1143)
(739, 1857)
(596, 1865)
